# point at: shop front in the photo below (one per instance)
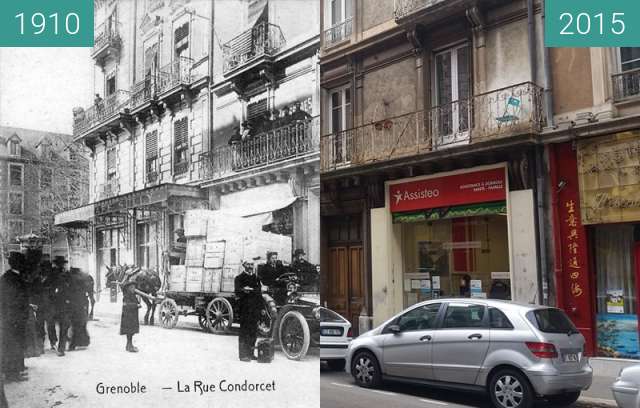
(598, 224)
(453, 235)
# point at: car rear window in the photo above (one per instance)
(498, 319)
(329, 316)
(551, 321)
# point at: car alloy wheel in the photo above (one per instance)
(365, 370)
(509, 392)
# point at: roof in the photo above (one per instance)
(30, 139)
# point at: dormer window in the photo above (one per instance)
(14, 148)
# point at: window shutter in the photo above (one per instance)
(152, 145)
(111, 159)
(180, 129)
(256, 109)
(181, 33)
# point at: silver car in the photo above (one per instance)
(626, 389)
(516, 353)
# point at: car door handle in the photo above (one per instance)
(475, 336)
(425, 338)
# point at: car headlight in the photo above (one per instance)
(316, 313)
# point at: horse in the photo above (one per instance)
(147, 281)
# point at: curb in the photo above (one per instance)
(598, 402)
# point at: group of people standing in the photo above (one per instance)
(40, 298)
(268, 121)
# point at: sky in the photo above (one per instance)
(39, 87)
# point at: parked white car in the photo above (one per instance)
(335, 336)
(626, 389)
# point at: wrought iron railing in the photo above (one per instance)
(626, 85)
(143, 91)
(152, 177)
(500, 113)
(339, 32)
(100, 112)
(262, 40)
(178, 72)
(181, 167)
(299, 138)
(404, 8)
(105, 34)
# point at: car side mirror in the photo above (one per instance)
(395, 329)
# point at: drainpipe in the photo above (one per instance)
(211, 72)
(548, 84)
(539, 212)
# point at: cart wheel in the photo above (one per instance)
(294, 335)
(219, 315)
(168, 313)
(204, 323)
(267, 316)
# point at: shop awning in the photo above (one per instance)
(77, 217)
(471, 210)
(258, 202)
(157, 196)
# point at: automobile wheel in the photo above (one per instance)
(563, 400)
(508, 388)
(365, 370)
(294, 335)
(336, 365)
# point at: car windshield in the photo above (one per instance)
(329, 316)
(552, 321)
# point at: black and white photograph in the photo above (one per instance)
(160, 209)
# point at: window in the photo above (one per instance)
(14, 148)
(16, 204)
(46, 177)
(15, 175)
(45, 204)
(150, 63)
(256, 109)
(463, 316)
(181, 40)
(551, 321)
(180, 145)
(110, 85)
(629, 58)
(16, 228)
(420, 318)
(341, 21)
(152, 151)
(111, 161)
(341, 121)
(498, 319)
(452, 92)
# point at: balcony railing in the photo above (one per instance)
(501, 113)
(339, 32)
(100, 112)
(297, 139)
(263, 40)
(105, 35)
(143, 91)
(178, 72)
(626, 85)
(404, 8)
(181, 167)
(152, 177)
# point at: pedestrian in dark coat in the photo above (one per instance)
(46, 310)
(248, 291)
(81, 286)
(61, 301)
(3, 397)
(14, 307)
(129, 323)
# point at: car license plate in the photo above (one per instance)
(571, 358)
(331, 332)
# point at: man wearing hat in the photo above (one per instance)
(129, 323)
(305, 271)
(247, 288)
(61, 288)
(14, 308)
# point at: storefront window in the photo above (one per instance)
(617, 318)
(459, 257)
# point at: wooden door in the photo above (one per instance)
(345, 284)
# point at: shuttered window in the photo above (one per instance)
(180, 131)
(181, 146)
(15, 175)
(152, 145)
(181, 40)
(111, 161)
(256, 109)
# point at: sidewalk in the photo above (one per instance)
(599, 394)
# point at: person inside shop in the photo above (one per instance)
(129, 323)
(465, 286)
(248, 291)
(14, 308)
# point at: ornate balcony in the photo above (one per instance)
(264, 40)
(338, 33)
(143, 91)
(501, 113)
(298, 139)
(107, 43)
(109, 109)
(174, 75)
(152, 177)
(404, 8)
(626, 85)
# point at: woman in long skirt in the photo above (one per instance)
(129, 324)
